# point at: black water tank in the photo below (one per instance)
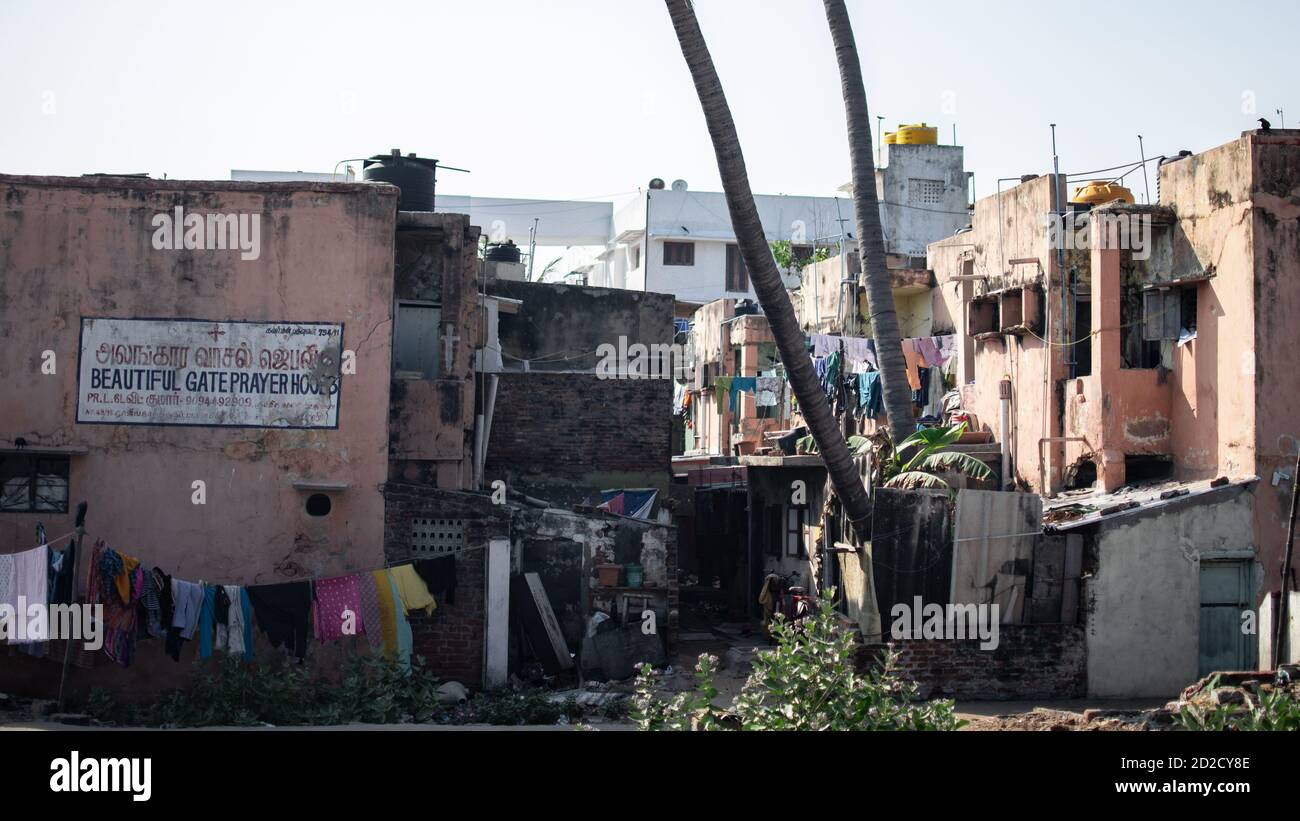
(413, 175)
(502, 252)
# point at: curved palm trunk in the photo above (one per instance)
(871, 241)
(762, 267)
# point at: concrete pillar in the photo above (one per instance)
(496, 630)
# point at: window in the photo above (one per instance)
(636, 257)
(794, 546)
(33, 484)
(737, 274)
(415, 340)
(1167, 312)
(924, 192)
(679, 253)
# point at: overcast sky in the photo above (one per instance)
(591, 98)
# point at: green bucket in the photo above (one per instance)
(633, 575)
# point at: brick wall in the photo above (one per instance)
(451, 640)
(1031, 661)
(566, 426)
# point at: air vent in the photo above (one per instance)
(437, 537)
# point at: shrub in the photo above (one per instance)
(1273, 709)
(809, 681)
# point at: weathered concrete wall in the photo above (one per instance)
(1009, 247)
(560, 430)
(432, 420)
(907, 229)
(560, 327)
(1275, 237)
(74, 247)
(1213, 409)
(1142, 603)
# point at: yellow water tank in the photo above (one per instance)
(891, 138)
(917, 134)
(1101, 191)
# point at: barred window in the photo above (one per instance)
(33, 484)
(924, 192)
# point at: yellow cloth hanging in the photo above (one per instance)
(122, 581)
(415, 593)
(387, 612)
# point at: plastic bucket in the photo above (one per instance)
(633, 575)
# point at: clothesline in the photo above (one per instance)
(47, 544)
(312, 579)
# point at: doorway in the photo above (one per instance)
(1225, 596)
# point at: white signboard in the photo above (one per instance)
(206, 372)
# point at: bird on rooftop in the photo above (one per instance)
(1264, 125)
(20, 443)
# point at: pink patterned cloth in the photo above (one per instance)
(338, 608)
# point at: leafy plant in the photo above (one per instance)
(1275, 708)
(807, 444)
(507, 708)
(918, 460)
(787, 258)
(810, 681)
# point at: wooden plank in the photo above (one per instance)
(540, 625)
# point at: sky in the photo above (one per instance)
(590, 99)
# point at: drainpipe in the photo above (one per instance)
(478, 451)
(488, 413)
(1004, 424)
(483, 429)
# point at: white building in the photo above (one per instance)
(677, 241)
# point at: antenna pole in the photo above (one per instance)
(1143, 153)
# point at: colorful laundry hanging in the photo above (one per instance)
(739, 384)
(338, 608)
(236, 635)
(7, 596)
(414, 592)
(283, 612)
(721, 391)
(104, 586)
(870, 395)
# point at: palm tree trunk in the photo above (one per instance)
(757, 254)
(871, 240)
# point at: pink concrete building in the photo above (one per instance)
(1157, 354)
(220, 497)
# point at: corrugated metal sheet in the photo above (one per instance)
(993, 549)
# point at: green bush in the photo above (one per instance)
(505, 708)
(1275, 709)
(808, 682)
(372, 689)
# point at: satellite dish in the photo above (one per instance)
(679, 185)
